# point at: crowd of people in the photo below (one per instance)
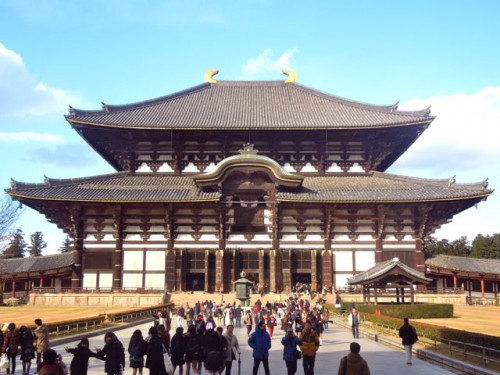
(208, 342)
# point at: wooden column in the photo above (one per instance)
(482, 286)
(455, 281)
(273, 270)
(118, 254)
(327, 268)
(206, 287)
(77, 232)
(219, 271)
(13, 287)
(261, 269)
(314, 271)
(378, 250)
(419, 255)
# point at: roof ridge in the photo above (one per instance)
(110, 108)
(390, 108)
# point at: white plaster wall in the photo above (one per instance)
(341, 281)
(132, 280)
(155, 260)
(364, 260)
(155, 281)
(133, 260)
(90, 280)
(343, 260)
(105, 280)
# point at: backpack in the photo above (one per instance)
(135, 351)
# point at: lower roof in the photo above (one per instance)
(381, 270)
(123, 187)
(464, 264)
(44, 263)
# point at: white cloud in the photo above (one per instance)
(22, 94)
(264, 63)
(462, 141)
(464, 135)
(30, 137)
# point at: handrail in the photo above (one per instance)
(103, 320)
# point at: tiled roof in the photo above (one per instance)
(382, 268)
(244, 105)
(124, 187)
(464, 264)
(35, 264)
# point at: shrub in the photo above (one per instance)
(415, 311)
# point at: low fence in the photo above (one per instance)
(485, 355)
(68, 328)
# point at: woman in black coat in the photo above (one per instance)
(154, 360)
(113, 354)
(178, 349)
(137, 349)
(81, 354)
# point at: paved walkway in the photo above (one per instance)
(381, 359)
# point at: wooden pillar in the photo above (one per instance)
(219, 271)
(412, 294)
(314, 271)
(378, 250)
(455, 281)
(13, 287)
(403, 294)
(397, 295)
(77, 233)
(118, 264)
(261, 269)
(482, 286)
(419, 255)
(327, 268)
(273, 269)
(206, 287)
(375, 292)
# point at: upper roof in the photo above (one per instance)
(35, 264)
(376, 187)
(243, 105)
(464, 264)
(380, 270)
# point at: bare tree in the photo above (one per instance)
(9, 213)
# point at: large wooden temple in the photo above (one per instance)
(280, 180)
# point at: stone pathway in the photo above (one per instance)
(381, 359)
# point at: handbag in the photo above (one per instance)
(4, 361)
(298, 354)
(169, 367)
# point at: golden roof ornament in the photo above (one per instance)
(209, 75)
(292, 75)
(248, 149)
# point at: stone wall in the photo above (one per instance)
(97, 299)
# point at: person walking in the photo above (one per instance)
(80, 363)
(178, 350)
(137, 350)
(154, 351)
(409, 337)
(309, 344)
(353, 363)
(354, 322)
(27, 348)
(11, 346)
(194, 351)
(260, 342)
(113, 355)
(248, 320)
(290, 352)
(41, 333)
(233, 348)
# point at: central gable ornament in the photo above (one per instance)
(248, 158)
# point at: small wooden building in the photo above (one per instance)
(393, 278)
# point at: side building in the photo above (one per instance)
(280, 180)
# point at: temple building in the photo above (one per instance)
(280, 180)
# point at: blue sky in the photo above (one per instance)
(81, 53)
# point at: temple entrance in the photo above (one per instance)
(195, 281)
(303, 278)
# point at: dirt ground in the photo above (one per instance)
(26, 314)
(481, 319)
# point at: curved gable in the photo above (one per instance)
(248, 159)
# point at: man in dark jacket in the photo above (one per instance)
(409, 337)
(260, 342)
(353, 363)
